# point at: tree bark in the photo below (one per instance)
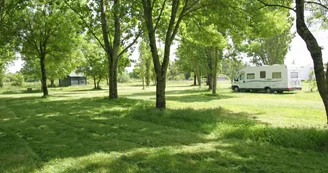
(199, 80)
(1, 75)
(210, 67)
(113, 94)
(315, 51)
(210, 81)
(52, 82)
(148, 63)
(215, 71)
(94, 82)
(98, 83)
(43, 75)
(195, 79)
(143, 82)
(160, 92)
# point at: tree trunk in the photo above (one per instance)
(210, 81)
(98, 83)
(43, 75)
(113, 94)
(52, 82)
(143, 82)
(316, 53)
(2, 73)
(209, 56)
(195, 79)
(160, 92)
(215, 71)
(199, 80)
(148, 63)
(1, 81)
(94, 82)
(111, 50)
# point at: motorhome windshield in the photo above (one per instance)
(294, 74)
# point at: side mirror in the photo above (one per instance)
(236, 79)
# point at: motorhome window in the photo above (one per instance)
(241, 77)
(294, 74)
(276, 75)
(262, 74)
(250, 75)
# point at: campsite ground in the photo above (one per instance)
(78, 129)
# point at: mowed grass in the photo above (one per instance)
(78, 129)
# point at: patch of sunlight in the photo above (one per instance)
(100, 118)
(51, 115)
(2, 134)
(6, 119)
(143, 129)
(80, 163)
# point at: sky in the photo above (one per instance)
(298, 52)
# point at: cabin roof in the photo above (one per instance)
(73, 74)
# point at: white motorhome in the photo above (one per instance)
(271, 78)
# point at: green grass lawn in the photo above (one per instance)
(79, 130)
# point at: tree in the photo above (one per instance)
(10, 13)
(94, 63)
(319, 7)
(57, 67)
(231, 67)
(192, 58)
(118, 21)
(145, 63)
(6, 56)
(46, 32)
(174, 11)
(272, 47)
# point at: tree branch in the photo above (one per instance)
(317, 3)
(85, 23)
(131, 44)
(276, 5)
(160, 15)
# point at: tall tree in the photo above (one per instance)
(154, 12)
(117, 22)
(321, 8)
(192, 58)
(272, 47)
(94, 63)
(6, 56)
(46, 32)
(10, 13)
(145, 61)
(57, 67)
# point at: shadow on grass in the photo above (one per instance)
(21, 92)
(263, 92)
(36, 131)
(171, 92)
(198, 97)
(238, 157)
(88, 90)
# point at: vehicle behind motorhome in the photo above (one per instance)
(271, 78)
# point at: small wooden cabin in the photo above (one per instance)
(73, 79)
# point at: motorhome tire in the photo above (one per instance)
(268, 90)
(236, 89)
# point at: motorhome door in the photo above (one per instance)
(242, 81)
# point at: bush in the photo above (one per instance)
(123, 77)
(17, 79)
